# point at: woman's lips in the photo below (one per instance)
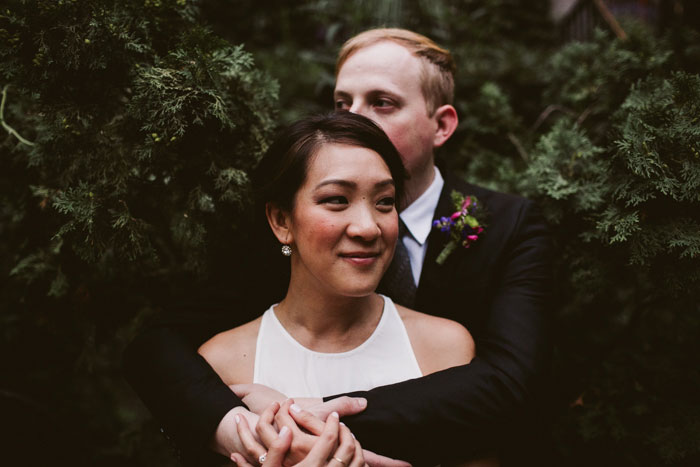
(361, 258)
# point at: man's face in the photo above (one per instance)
(383, 83)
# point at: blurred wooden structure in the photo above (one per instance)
(577, 19)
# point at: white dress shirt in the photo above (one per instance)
(418, 217)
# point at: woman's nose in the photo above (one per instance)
(363, 225)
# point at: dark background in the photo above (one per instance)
(130, 127)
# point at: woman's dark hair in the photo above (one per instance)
(282, 170)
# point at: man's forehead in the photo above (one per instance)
(381, 67)
(383, 53)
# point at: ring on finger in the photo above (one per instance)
(262, 458)
(340, 460)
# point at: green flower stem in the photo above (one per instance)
(446, 252)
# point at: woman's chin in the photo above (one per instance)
(359, 290)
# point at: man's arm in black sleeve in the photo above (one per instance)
(179, 387)
(460, 411)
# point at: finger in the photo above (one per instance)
(267, 432)
(282, 417)
(346, 449)
(302, 442)
(279, 448)
(375, 460)
(326, 443)
(240, 460)
(345, 406)
(358, 460)
(253, 449)
(306, 420)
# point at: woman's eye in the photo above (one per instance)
(335, 200)
(388, 201)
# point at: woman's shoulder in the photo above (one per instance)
(438, 343)
(232, 353)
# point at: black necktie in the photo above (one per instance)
(398, 281)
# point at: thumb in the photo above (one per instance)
(344, 405)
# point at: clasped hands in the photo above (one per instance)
(305, 431)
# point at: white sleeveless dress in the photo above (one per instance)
(283, 364)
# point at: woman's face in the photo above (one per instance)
(344, 224)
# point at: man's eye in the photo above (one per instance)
(341, 105)
(335, 200)
(383, 103)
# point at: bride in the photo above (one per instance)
(330, 185)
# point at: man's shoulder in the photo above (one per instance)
(498, 205)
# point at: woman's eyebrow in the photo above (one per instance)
(383, 183)
(349, 184)
(337, 181)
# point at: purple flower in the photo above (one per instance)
(462, 220)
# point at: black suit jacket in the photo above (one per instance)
(499, 288)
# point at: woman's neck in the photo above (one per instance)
(326, 322)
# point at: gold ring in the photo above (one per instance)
(340, 460)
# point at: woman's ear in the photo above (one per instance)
(280, 223)
(447, 120)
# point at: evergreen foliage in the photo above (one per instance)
(617, 174)
(124, 178)
(129, 129)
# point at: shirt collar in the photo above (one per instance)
(418, 216)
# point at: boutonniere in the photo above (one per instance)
(463, 226)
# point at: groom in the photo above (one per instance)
(499, 288)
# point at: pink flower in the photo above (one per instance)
(456, 215)
(467, 202)
(472, 237)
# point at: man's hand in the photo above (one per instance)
(343, 406)
(257, 397)
(226, 437)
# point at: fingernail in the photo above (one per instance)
(238, 419)
(342, 423)
(295, 408)
(283, 431)
(362, 402)
(335, 414)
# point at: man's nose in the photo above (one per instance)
(358, 108)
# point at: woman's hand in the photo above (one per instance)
(335, 445)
